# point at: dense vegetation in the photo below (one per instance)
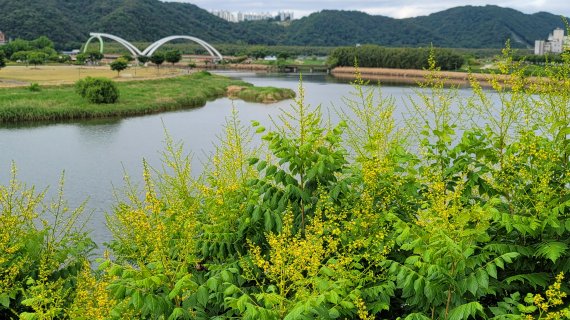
(68, 23)
(97, 90)
(461, 212)
(371, 56)
(137, 97)
(34, 52)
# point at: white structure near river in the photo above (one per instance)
(556, 43)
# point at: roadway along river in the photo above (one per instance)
(95, 155)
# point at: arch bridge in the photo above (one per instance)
(149, 51)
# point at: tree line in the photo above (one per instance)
(373, 56)
(34, 52)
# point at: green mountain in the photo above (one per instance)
(488, 26)
(68, 23)
(333, 28)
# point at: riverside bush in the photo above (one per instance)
(460, 212)
(97, 90)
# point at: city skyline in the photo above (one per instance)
(391, 8)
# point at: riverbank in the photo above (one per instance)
(61, 102)
(413, 76)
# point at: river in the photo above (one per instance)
(95, 155)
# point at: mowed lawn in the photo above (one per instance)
(63, 74)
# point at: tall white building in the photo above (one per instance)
(556, 43)
(226, 15)
(247, 16)
(285, 15)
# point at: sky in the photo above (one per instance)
(391, 8)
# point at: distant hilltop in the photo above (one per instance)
(69, 23)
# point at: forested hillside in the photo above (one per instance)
(489, 26)
(68, 23)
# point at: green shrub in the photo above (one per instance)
(97, 90)
(34, 87)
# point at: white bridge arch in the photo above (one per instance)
(216, 56)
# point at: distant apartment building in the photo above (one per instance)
(226, 15)
(285, 15)
(556, 43)
(250, 16)
(3, 40)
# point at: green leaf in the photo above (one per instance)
(202, 296)
(465, 311)
(482, 279)
(212, 284)
(137, 300)
(526, 309)
(333, 297)
(231, 290)
(28, 316)
(333, 313)
(472, 284)
(327, 271)
(242, 303)
(347, 304)
(491, 270)
(534, 279)
(5, 300)
(551, 250)
(417, 316)
(177, 313)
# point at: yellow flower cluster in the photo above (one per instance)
(554, 299)
(17, 214)
(362, 311)
(92, 300)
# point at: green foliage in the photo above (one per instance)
(127, 57)
(172, 56)
(93, 56)
(42, 250)
(2, 60)
(143, 59)
(34, 87)
(81, 58)
(97, 90)
(41, 44)
(119, 65)
(262, 94)
(37, 58)
(459, 212)
(404, 58)
(309, 157)
(157, 58)
(21, 56)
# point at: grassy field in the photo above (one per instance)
(58, 74)
(56, 103)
